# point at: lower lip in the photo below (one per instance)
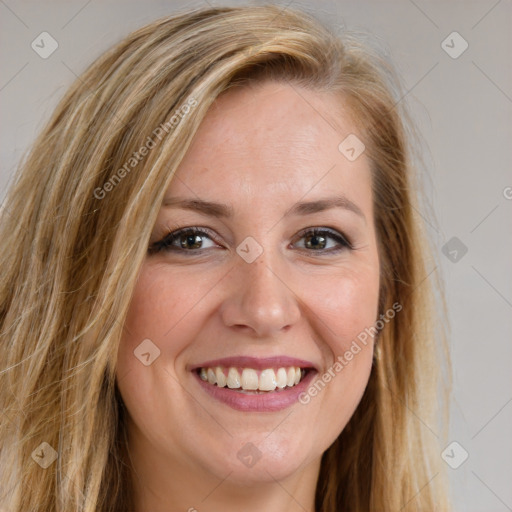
(261, 402)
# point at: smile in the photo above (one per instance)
(250, 379)
(252, 384)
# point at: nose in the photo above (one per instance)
(260, 299)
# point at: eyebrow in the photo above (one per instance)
(303, 208)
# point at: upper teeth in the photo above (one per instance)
(248, 379)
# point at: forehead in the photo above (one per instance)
(271, 142)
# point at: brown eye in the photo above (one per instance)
(183, 240)
(324, 240)
(195, 240)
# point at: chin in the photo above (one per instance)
(272, 458)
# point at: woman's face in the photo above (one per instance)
(251, 292)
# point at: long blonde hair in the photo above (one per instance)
(72, 247)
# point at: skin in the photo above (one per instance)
(261, 149)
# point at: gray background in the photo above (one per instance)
(463, 107)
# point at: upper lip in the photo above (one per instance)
(258, 363)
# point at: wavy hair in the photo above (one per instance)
(72, 247)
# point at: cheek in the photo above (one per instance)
(157, 310)
(347, 307)
(164, 309)
(347, 304)
(160, 306)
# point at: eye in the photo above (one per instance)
(324, 240)
(191, 240)
(184, 240)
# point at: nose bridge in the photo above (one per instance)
(259, 297)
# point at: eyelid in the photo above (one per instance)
(164, 243)
(332, 232)
(171, 232)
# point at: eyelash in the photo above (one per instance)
(165, 244)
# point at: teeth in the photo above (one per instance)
(248, 379)
(233, 381)
(267, 380)
(221, 378)
(290, 381)
(281, 378)
(210, 375)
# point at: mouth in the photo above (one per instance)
(251, 380)
(252, 384)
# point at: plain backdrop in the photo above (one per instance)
(462, 103)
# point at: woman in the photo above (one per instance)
(214, 289)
